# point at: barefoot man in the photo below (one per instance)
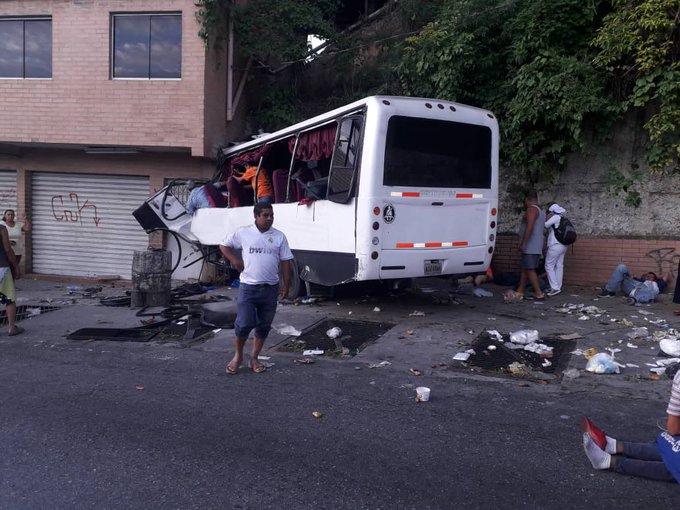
(263, 250)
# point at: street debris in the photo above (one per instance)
(415, 371)
(422, 394)
(571, 373)
(380, 365)
(334, 333)
(602, 363)
(312, 352)
(376, 309)
(570, 336)
(288, 330)
(480, 292)
(524, 336)
(317, 414)
(303, 361)
(510, 296)
(638, 333)
(670, 346)
(416, 313)
(462, 356)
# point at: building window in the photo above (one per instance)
(25, 48)
(147, 46)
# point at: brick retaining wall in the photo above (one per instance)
(591, 260)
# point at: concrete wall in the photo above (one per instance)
(82, 104)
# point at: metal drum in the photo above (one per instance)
(151, 272)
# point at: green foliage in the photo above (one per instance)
(621, 184)
(639, 44)
(526, 61)
(278, 110)
(212, 15)
(277, 31)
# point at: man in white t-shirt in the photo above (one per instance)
(263, 251)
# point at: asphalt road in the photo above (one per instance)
(114, 425)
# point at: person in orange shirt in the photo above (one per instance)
(265, 192)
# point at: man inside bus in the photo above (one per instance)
(264, 251)
(208, 195)
(250, 176)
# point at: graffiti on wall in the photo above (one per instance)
(72, 210)
(666, 260)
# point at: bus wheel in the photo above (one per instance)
(297, 286)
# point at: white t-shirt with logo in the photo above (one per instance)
(261, 252)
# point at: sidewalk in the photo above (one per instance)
(424, 342)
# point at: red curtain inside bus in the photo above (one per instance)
(315, 145)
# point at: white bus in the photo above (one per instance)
(385, 188)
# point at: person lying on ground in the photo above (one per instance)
(660, 461)
(639, 290)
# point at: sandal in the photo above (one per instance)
(231, 369)
(16, 331)
(258, 369)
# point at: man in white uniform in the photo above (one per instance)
(263, 251)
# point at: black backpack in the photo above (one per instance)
(565, 233)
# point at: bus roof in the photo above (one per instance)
(329, 116)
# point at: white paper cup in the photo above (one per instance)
(422, 394)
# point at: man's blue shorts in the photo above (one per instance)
(255, 309)
(530, 260)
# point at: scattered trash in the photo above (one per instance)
(491, 347)
(422, 394)
(631, 346)
(303, 361)
(658, 370)
(480, 292)
(570, 336)
(540, 349)
(626, 322)
(317, 414)
(409, 332)
(287, 329)
(524, 336)
(584, 318)
(638, 333)
(376, 309)
(589, 353)
(415, 372)
(312, 352)
(334, 333)
(495, 334)
(520, 369)
(546, 363)
(571, 373)
(602, 363)
(32, 312)
(416, 313)
(592, 310)
(510, 296)
(670, 346)
(308, 300)
(139, 388)
(462, 356)
(264, 358)
(380, 365)
(632, 365)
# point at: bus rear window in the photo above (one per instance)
(427, 153)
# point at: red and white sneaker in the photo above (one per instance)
(596, 434)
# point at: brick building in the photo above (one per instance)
(102, 103)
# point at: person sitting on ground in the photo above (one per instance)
(648, 460)
(249, 174)
(639, 290)
(208, 195)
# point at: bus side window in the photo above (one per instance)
(345, 161)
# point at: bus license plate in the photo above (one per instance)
(433, 267)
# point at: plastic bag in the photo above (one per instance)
(670, 347)
(524, 336)
(602, 363)
(479, 292)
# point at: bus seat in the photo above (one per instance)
(279, 183)
(238, 196)
(304, 177)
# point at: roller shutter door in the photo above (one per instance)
(83, 224)
(8, 191)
